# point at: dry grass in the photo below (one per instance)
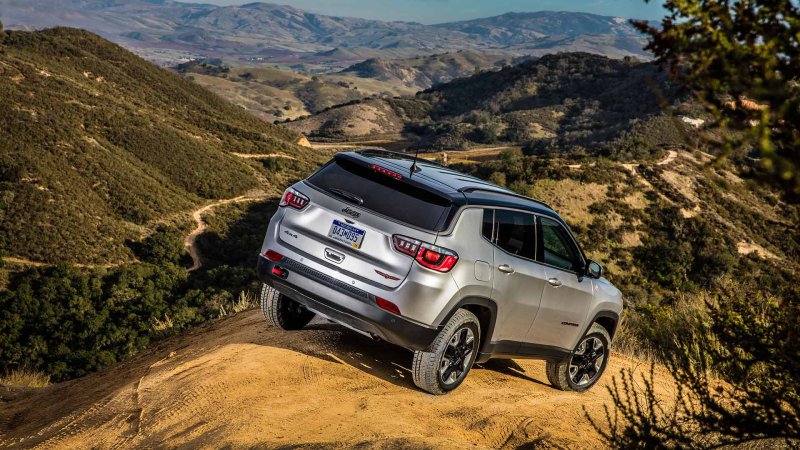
(570, 197)
(25, 378)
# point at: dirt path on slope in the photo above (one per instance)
(29, 263)
(238, 383)
(262, 155)
(190, 242)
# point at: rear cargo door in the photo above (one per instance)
(352, 215)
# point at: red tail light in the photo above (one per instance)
(387, 305)
(294, 199)
(427, 255)
(273, 256)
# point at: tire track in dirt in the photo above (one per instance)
(239, 383)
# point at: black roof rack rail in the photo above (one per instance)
(503, 191)
(398, 155)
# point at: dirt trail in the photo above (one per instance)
(190, 242)
(671, 155)
(241, 384)
(28, 263)
(263, 155)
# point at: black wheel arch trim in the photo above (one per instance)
(476, 301)
(603, 315)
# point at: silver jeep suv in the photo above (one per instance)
(455, 269)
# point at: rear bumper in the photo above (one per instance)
(344, 304)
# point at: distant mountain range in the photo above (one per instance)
(168, 31)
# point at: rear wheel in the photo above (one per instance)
(451, 355)
(283, 312)
(587, 364)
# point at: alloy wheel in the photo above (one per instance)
(457, 356)
(586, 362)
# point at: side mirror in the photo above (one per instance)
(594, 270)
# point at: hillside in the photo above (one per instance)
(357, 120)
(100, 145)
(426, 71)
(168, 31)
(278, 94)
(574, 102)
(274, 94)
(238, 383)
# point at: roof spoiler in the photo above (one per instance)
(504, 192)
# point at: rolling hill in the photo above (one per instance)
(276, 94)
(167, 31)
(100, 145)
(575, 102)
(424, 72)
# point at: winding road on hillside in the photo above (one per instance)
(190, 242)
(238, 383)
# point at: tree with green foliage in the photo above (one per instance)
(737, 373)
(741, 60)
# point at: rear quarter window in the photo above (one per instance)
(384, 195)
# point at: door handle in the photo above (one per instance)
(505, 268)
(555, 282)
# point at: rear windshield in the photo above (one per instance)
(383, 194)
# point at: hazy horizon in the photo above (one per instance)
(441, 11)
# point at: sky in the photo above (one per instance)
(439, 11)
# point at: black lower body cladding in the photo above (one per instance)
(366, 317)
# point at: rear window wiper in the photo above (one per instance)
(347, 196)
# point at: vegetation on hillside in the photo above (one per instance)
(273, 94)
(746, 75)
(98, 145)
(577, 103)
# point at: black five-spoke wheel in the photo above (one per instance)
(586, 365)
(445, 365)
(587, 361)
(457, 355)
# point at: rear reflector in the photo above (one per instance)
(387, 305)
(280, 272)
(273, 256)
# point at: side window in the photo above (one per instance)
(557, 247)
(516, 233)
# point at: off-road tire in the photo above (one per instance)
(558, 372)
(426, 365)
(283, 312)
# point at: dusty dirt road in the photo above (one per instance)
(237, 383)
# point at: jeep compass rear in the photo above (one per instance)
(406, 251)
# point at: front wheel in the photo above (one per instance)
(283, 312)
(587, 364)
(451, 355)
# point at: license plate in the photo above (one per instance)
(346, 234)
